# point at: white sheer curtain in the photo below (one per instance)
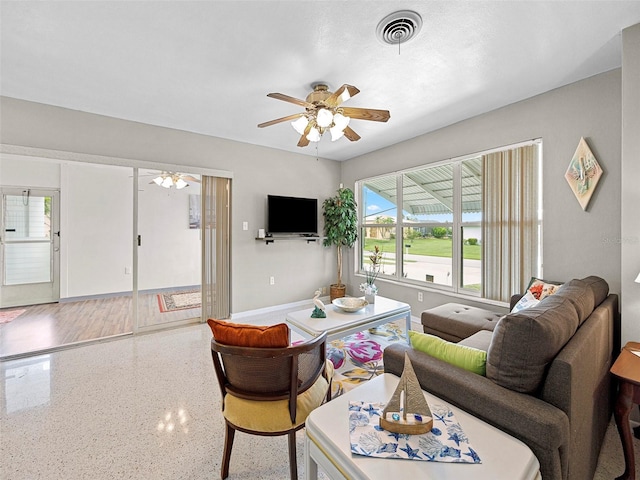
(216, 247)
(510, 225)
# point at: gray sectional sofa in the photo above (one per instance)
(547, 381)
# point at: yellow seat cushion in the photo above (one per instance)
(273, 416)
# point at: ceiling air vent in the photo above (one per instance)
(399, 27)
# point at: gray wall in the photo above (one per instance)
(299, 268)
(630, 237)
(576, 243)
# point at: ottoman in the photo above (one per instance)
(454, 321)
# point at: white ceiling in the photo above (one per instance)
(207, 66)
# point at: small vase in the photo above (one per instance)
(370, 294)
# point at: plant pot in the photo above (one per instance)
(337, 291)
(370, 295)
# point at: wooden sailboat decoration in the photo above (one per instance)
(408, 411)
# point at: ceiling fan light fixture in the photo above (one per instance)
(180, 183)
(336, 133)
(167, 182)
(340, 121)
(313, 135)
(158, 180)
(300, 124)
(323, 111)
(324, 117)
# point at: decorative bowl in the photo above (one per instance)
(350, 304)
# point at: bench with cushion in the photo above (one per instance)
(455, 321)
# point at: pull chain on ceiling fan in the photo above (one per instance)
(323, 111)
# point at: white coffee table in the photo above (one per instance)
(327, 445)
(338, 323)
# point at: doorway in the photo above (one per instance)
(29, 246)
(167, 257)
(103, 282)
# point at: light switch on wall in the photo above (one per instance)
(245, 225)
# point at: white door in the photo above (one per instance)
(29, 247)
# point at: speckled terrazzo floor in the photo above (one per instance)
(141, 408)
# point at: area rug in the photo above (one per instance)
(170, 302)
(357, 358)
(7, 315)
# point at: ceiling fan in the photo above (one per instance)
(171, 179)
(323, 111)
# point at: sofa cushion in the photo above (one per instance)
(273, 416)
(244, 335)
(480, 340)
(469, 358)
(580, 295)
(599, 287)
(524, 343)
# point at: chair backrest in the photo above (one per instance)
(269, 373)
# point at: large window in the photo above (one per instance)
(470, 225)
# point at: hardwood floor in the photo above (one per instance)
(52, 325)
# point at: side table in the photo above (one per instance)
(327, 445)
(627, 369)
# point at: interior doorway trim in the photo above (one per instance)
(106, 160)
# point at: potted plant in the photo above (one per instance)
(340, 229)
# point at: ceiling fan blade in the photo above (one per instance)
(344, 93)
(304, 141)
(189, 178)
(280, 120)
(287, 98)
(351, 135)
(366, 114)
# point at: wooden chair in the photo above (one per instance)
(270, 391)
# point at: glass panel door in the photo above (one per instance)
(30, 246)
(169, 249)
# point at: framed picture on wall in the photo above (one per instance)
(194, 211)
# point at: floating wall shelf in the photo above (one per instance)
(269, 240)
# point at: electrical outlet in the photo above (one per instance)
(272, 280)
(324, 290)
(420, 297)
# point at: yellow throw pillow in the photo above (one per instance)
(469, 358)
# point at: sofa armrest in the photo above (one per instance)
(540, 425)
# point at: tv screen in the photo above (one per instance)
(292, 215)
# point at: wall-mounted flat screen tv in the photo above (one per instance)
(292, 215)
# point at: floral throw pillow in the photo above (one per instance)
(537, 290)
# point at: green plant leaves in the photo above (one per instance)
(340, 219)
(340, 223)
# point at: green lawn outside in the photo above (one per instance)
(435, 247)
